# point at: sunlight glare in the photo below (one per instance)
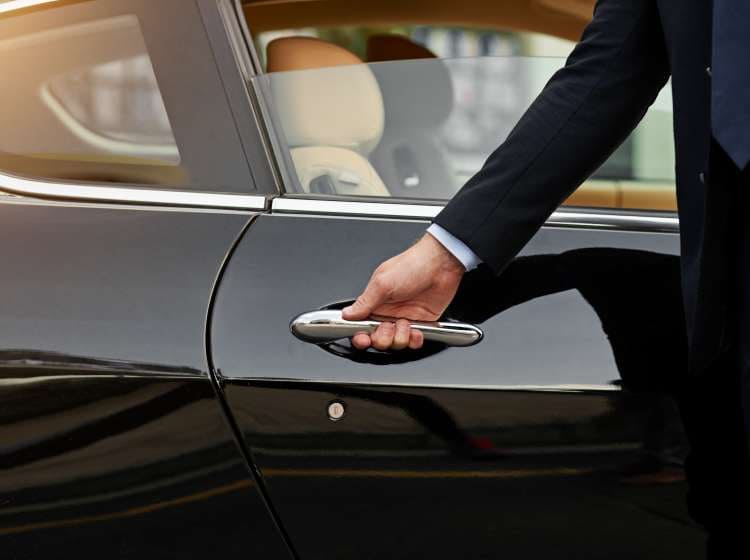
(19, 4)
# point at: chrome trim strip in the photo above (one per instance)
(128, 195)
(563, 218)
(602, 220)
(354, 208)
(7, 198)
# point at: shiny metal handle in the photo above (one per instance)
(327, 325)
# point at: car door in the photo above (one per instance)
(533, 443)
(124, 185)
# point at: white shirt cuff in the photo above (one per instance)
(455, 246)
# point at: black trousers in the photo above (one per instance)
(716, 404)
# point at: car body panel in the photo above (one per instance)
(112, 437)
(147, 413)
(512, 445)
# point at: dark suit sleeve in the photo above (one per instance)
(586, 110)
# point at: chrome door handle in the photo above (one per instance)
(327, 325)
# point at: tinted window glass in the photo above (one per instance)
(96, 101)
(420, 128)
(115, 106)
(116, 92)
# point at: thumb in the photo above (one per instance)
(363, 307)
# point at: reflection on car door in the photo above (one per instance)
(113, 443)
(532, 444)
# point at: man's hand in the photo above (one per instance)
(418, 284)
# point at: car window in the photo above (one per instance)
(115, 106)
(113, 91)
(418, 129)
(103, 106)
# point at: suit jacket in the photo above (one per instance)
(625, 56)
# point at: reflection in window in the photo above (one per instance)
(420, 128)
(115, 107)
(85, 105)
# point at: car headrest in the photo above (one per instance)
(417, 87)
(324, 95)
(384, 47)
(305, 53)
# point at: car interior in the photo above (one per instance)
(52, 95)
(355, 141)
(331, 133)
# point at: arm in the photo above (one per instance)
(586, 110)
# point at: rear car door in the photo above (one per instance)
(124, 185)
(533, 443)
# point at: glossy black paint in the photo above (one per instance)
(130, 467)
(523, 446)
(112, 440)
(444, 473)
(310, 262)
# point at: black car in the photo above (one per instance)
(192, 190)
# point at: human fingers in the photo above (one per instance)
(382, 338)
(416, 339)
(361, 341)
(402, 335)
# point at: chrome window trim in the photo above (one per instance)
(599, 219)
(48, 190)
(354, 208)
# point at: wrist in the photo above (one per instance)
(442, 256)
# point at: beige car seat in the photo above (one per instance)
(331, 113)
(419, 99)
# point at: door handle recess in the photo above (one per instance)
(327, 325)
